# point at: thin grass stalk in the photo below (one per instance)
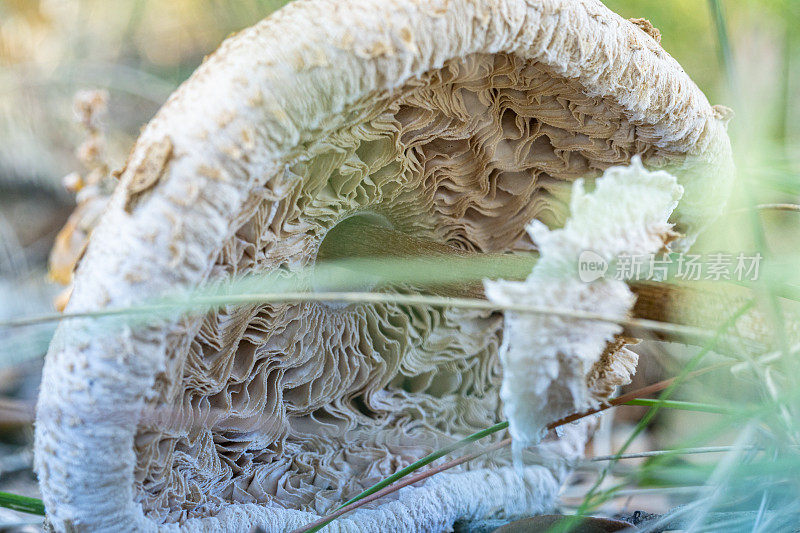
(724, 48)
(426, 461)
(720, 476)
(355, 297)
(685, 406)
(588, 502)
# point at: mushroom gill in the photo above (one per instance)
(305, 405)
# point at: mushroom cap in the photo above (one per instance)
(455, 120)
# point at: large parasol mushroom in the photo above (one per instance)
(453, 121)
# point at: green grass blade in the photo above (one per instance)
(23, 504)
(723, 41)
(428, 459)
(684, 406)
(592, 495)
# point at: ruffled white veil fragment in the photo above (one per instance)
(547, 358)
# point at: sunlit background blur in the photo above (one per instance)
(141, 50)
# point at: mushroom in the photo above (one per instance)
(454, 121)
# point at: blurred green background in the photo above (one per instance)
(142, 49)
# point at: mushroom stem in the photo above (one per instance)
(699, 305)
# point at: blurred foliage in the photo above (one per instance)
(140, 50)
